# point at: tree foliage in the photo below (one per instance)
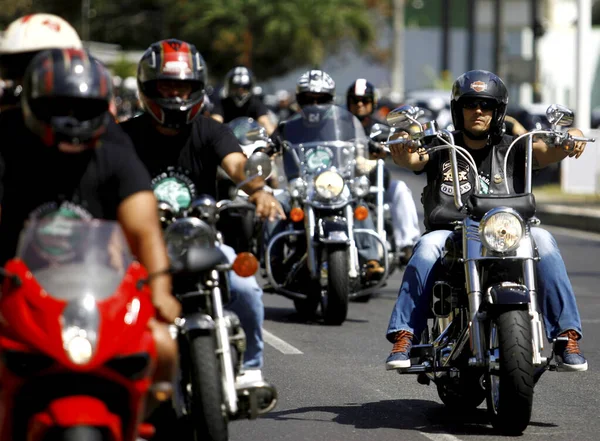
(269, 36)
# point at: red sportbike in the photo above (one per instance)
(76, 353)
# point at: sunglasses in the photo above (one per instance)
(482, 104)
(314, 99)
(361, 99)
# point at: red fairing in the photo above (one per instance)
(30, 323)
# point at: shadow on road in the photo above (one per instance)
(289, 315)
(419, 415)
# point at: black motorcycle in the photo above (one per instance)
(211, 340)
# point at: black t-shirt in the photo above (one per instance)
(198, 150)
(437, 197)
(226, 107)
(39, 180)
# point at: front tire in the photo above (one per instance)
(510, 388)
(209, 417)
(335, 303)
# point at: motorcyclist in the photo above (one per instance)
(478, 106)
(238, 99)
(22, 40)
(171, 132)
(65, 155)
(361, 102)
(316, 87)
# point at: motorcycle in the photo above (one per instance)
(320, 267)
(77, 353)
(210, 338)
(486, 339)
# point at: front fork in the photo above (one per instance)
(223, 347)
(310, 227)
(478, 340)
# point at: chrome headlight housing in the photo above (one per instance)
(298, 188)
(187, 231)
(329, 184)
(501, 230)
(360, 186)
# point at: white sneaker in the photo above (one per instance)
(249, 377)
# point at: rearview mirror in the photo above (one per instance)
(560, 115)
(258, 165)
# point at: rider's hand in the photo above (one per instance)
(266, 205)
(575, 148)
(167, 307)
(376, 151)
(408, 146)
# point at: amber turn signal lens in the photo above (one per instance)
(297, 214)
(361, 213)
(245, 265)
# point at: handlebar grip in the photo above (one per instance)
(580, 138)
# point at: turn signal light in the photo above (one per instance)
(245, 264)
(361, 213)
(297, 214)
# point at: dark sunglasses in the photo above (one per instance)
(483, 104)
(361, 99)
(314, 99)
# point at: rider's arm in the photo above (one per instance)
(260, 112)
(545, 155)
(266, 122)
(217, 111)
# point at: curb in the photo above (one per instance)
(580, 218)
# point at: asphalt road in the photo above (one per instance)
(333, 385)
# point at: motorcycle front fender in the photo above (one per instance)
(193, 324)
(508, 295)
(335, 231)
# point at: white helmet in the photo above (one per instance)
(23, 39)
(37, 32)
(315, 83)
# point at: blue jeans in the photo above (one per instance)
(555, 293)
(365, 243)
(246, 302)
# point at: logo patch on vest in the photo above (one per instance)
(463, 176)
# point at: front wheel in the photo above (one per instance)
(209, 417)
(510, 382)
(335, 302)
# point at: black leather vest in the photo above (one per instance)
(437, 197)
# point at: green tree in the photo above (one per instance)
(271, 37)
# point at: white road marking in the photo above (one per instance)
(579, 234)
(282, 346)
(440, 436)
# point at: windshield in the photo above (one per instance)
(240, 128)
(74, 258)
(323, 136)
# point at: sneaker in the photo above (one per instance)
(400, 356)
(248, 378)
(568, 354)
(374, 270)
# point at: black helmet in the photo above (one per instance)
(239, 78)
(172, 60)
(479, 84)
(360, 88)
(66, 95)
(316, 83)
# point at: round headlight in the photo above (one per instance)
(79, 350)
(501, 231)
(297, 188)
(185, 232)
(329, 184)
(361, 186)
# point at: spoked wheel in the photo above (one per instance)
(509, 382)
(209, 416)
(335, 302)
